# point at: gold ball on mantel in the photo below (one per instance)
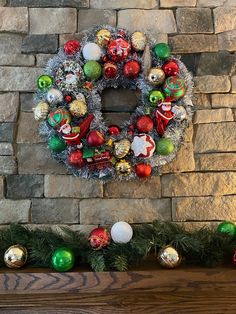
(15, 256)
(168, 257)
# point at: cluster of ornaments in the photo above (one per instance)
(64, 104)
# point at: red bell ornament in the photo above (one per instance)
(99, 238)
(170, 68)
(143, 170)
(118, 49)
(144, 124)
(76, 159)
(114, 130)
(132, 69)
(95, 138)
(71, 47)
(110, 70)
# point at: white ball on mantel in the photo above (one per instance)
(92, 51)
(121, 232)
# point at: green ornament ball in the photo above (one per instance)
(92, 69)
(175, 87)
(156, 96)
(63, 259)
(162, 51)
(227, 227)
(56, 144)
(164, 146)
(44, 82)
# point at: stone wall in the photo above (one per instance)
(199, 186)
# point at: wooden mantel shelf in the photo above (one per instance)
(149, 291)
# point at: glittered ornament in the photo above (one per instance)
(131, 69)
(95, 138)
(99, 238)
(15, 256)
(164, 146)
(75, 159)
(179, 112)
(44, 82)
(69, 75)
(168, 257)
(78, 108)
(59, 117)
(143, 170)
(80, 97)
(103, 37)
(71, 47)
(41, 111)
(156, 76)
(114, 130)
(138, 41)
(155, 97)
(121, 232)
(56, 144)
(63, 259)
(110, 70)
(143, 146)
(162, 51)
(123, 167)
(93, 70)
(175, 87)
(54, 96)
(170, 68)
(92, 51)
(144, 124)
(227, 227)
(121, 148)
(118, 49)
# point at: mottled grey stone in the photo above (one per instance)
(13, 20)
(89, 18)
(7, 132)
(28, 129)
(14, 211)
(9, 103)
(26, 102)
(6, 149)
(49, 3)
(17, 59)
(10, 43)
(8, 165)
(42, 59)
(191, 61)
(40, 44)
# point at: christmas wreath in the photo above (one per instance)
(68, 104)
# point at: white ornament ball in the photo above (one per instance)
(121, 232)
(92, 51)
(179, 112)
(54, 96)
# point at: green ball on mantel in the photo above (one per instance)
(227, 227)
(56, 144)
(92, 70)
(63, 259)
(162, 51)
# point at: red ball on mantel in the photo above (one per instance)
(131, 69)
(99, 238)
(114, 130)
(95, 138)
(110, 70)
(144, 124)
(71, 47)
(170, 68)
(143, 170)
(76, 159)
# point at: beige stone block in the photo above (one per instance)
(213, 115)
(215, 3)
(177, 3)
(201, 101)
(227, 40)
(211, 84)
(223, 100)
(28, 129)
(17, 59)
(233, 85)
(224, 19)
(90, 17)
(121, 4)
(216, 162)
(14, 20)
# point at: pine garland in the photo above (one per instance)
(204, 247)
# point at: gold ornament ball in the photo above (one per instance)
(139, 41)
(41, 111)
(103, 37)
(123, 167)
(78, 108)
(122, 148)
(156, 76)
(168, 257)
(15, 256)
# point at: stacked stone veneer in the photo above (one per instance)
(199, 186)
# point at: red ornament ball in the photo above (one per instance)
(110, 70)
(113, 129)
(71, 47)
(170, 68)
(99, 238)
(68, 98)
(118, 49)
(143, 170)
(76, 159)
(144, 124)
(132, 69)
(95, 138)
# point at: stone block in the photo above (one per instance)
(49, 3)
(216, 162)
(1, 187)
(53, 21)
(28, 129)
(215, 3)
(8, 165)
(211, 84)
(108, 211)
(9, 103)
(198, 184)
(42, 59)
(148, 188)
(3, 3)
(14, 211)
(224, 19)
(153, 21)
(188, 135)
(191, 61)
(177, 3)
(213, 115)
(7, 132)
(17, 59)
(54, 211)
(24, 186)
(227, 40)
(90, 17)
(26, 102)
(40, 44)
(204, 208)
(191, 20)
(215, 137)
(233, 84)
(121, 4)
(6, 149)
(10, 43)
(223, 100)
(70, 186)
(13, 20)
(201, 101)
